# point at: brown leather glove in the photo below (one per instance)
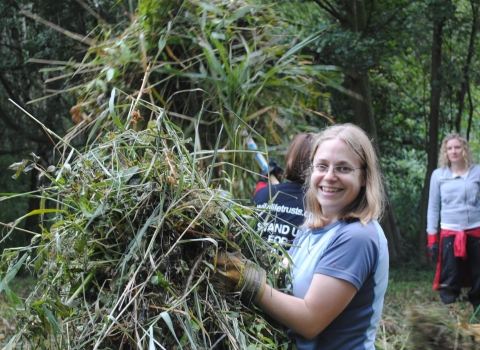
(234, 273)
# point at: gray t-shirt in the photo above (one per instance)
(357, 254)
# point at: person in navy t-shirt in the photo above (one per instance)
(283, 202)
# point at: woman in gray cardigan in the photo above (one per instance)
(454, 203)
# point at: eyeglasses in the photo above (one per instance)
(340, 169)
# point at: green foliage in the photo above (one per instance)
(394, 50)
(211, 65)
(405, 180)
(130, 233)
(126, 212)
(21, 40)
(399, 105)
(10, 209)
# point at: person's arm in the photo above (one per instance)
(272, 174)
(353, 254)
(350, 260)
(433, 211)
(326, 298)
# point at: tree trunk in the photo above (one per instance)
(466, 69)
(359, 83)
(432, 146)
(364, 118)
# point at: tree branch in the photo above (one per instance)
(93, 13)
(68, 33)
(466, 68)
(327, 6)
(369, 19)
(393, 17)
(6, 85)
(9, 121)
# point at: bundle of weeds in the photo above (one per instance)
(129, 234)
(437, 329)
(234, 62)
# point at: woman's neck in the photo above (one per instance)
(458, 168)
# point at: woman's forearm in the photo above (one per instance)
(290, 311)
(325, 299)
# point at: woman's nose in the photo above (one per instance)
(330, 174)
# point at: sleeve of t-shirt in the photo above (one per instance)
(352, 255)
(260, 185)
(433, 208)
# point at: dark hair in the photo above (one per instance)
(297, 160)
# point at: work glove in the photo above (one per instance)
(273, 169)
(234, 273)
(432, 247)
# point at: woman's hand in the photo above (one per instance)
(234, 273)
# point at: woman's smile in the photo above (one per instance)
(330, 189)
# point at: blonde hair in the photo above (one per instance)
(466, 152)
(370, 202)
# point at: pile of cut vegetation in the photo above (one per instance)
(432, 328)
(129, 233)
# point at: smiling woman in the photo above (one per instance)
(339, 179)
(345, 146)
(340, 258)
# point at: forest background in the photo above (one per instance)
(406, 71)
